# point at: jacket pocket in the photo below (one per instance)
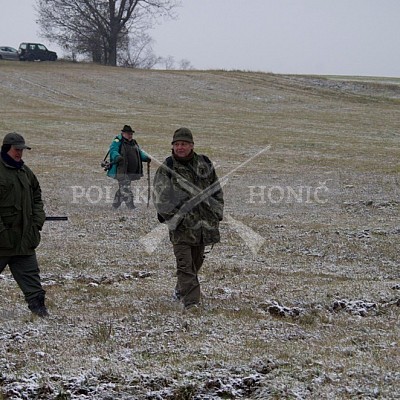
(5, 239)
(7, 194)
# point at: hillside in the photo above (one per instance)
(302, 295)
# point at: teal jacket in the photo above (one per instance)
(118, 161)
(21, 211)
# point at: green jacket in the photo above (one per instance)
(21, 211)
(191, 219)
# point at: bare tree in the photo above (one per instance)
(138, 53)
(98, 27)
(169, 62)
(185, 64)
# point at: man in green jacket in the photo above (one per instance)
(21, 219)
(189, 199)
(126, 159)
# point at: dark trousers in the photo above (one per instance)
(25, 270)
(189, 260)
(124, 193)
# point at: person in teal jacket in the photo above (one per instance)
(126, 159)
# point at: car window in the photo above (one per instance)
(41, 47)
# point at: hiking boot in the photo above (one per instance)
(38, 307)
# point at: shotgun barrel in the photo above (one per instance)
(51, 218)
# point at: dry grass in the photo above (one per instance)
(115, 330)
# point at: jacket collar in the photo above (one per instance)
(9, 162)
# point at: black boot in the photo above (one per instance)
(38, 307)
(130, 205)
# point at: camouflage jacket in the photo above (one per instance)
(189, 198)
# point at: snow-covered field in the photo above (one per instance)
(301, 298)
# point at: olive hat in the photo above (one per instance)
(183, 134)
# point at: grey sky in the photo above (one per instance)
(338, 37)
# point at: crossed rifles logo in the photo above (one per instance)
(251, 238)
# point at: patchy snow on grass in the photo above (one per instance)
(301, 298)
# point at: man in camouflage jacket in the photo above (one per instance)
(189, 199)
(21, 219)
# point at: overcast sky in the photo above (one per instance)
(328, 37)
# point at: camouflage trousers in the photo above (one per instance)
(25, 271)
(189, 260)
(124, 193)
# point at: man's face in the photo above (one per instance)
(182, 149)
(128, 135)
(15, 154)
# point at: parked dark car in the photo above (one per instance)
(8, 53)
(35, 51)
